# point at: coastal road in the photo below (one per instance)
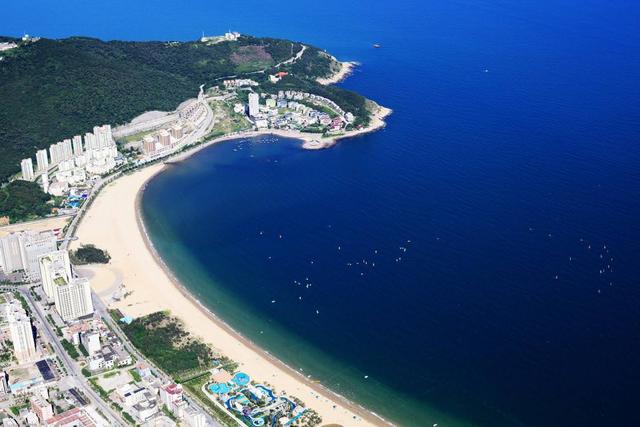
(98, 304)
(70, 365)
(133, 128)
(294, 58)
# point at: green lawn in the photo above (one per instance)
(135, 375)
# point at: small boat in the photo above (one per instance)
(376, 45)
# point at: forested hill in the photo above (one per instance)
(54, 89)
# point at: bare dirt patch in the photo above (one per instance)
(250, 54)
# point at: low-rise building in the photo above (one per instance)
(75, 417)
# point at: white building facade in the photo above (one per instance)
(27, 169)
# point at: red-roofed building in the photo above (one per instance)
(75, 417)
(171, 393)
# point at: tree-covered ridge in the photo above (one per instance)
(22, 200)
(54, 89)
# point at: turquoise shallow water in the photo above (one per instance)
(506, 181)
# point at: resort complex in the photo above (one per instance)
(78, 352)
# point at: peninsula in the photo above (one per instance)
(245, 87)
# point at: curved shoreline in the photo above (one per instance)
(322, 390)
(346, 69)
(310, 141)
(149, 272)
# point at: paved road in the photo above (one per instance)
(132, 129)
(70, 365)
(294, 58)
(98, 305)
(101, 309)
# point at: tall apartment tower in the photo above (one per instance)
(11, 253)
(254, 104)
(73, 298)
(24, 346)
(149, 144)
(56, 153)
(45, 182)
(54, 268)
(20, 251)
(77, 145)
(67, 149)
(164, 138)
(27, 169)
(33, 246)
(42, 160)
(89, 142)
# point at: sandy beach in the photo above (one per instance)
(113, 223)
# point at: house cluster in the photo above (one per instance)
(104, 350)
(73, 161)
(31, 382)
(296, 111)
(147, 400)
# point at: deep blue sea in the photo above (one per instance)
(478, 259)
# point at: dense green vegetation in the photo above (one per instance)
(89, 254)
(164, 341)
(70, 348)
(313, 64)
(135, 375)
(54, 89)
(21, 200)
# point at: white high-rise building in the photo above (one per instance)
(42, 160)
(103, 136)
(34, 245)
(54, 268)
(254, 104)
(72, 296)
(77, 145)
(56, 153)
(24, 346)
(89, 141)
(11, 253)
(21, 250)
(27, 169)
(67, 149)
(45, 182)
(73, 299)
